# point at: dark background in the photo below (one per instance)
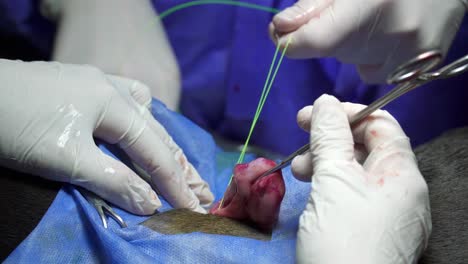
(24, 199)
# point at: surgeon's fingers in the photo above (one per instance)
(297, 15)
(323, 33)
(122, 124)
(195, 182)
(136, 90)
(361, 133)
(113, 181)
(379, 139)
(369, 135)
(383, 138)
(302, 167)
(304, 117)
(375, 129)
(330, 133)
(193, 178)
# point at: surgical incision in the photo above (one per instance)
(253, 199)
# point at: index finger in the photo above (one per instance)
(138, 95)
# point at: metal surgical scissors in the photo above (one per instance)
(407, 77)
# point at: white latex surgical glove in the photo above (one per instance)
(375, 35)
(369, 202)
(49, 114)
(121, 37)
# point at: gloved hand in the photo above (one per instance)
(375, 35)
(49, 113)
(369, 202)
(121, 37)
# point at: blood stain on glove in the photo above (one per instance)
(381, 182)
(251, 199)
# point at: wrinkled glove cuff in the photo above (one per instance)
(51, 9)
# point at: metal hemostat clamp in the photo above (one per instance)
(407, 77)
(102, 208)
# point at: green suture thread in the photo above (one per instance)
(265, 92)
(268, 82)
(219, 2)
(263, 96)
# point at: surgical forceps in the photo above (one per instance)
(102, 208)
(407, 77)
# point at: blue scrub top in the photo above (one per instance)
(224, 53)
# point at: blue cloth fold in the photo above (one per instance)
(71, 230)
